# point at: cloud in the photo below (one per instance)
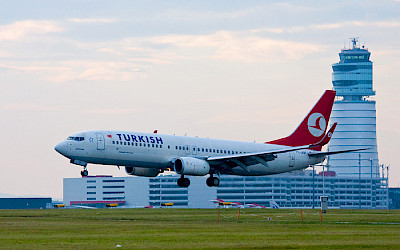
(240, 46)
(129, 58)
(330, 26)
(108, 111)
(91, 20)
(28, 107)
(18, 31)
(63, 71)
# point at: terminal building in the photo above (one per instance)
(353, 180)
(292, 190)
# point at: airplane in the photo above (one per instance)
(226, 204)
(254, 205)
(149, 154)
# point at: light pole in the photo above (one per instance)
(371, 183)
(313, 185)
(387, 183)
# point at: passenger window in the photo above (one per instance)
(217, 151)
(161, 146)
(176, 147)
(213, 150)
(117, 142)
(229, 152)
(129, 143)
(198, 149)
(224, 151)
(152, 145)
(149, 145)
(180, 148)
(156, 146)
(206, 150)
(113, 142)
(168, 146)
(202, 149)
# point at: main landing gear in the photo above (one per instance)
(84, 172)
(212, 181)
(183, 182)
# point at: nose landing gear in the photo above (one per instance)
(84, 172)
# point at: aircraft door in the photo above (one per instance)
(100, 141)
(292, 159)
(187, 149)
(194, 152)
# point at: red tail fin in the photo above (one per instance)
(312, 129)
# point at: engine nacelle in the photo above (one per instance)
(138, 171)
(191, 166)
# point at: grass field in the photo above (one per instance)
(198, 228)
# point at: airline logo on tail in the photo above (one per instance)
(316, 124)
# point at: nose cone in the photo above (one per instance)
(61, 148)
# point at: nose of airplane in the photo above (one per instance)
(61, 148)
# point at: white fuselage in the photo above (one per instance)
(122, 148)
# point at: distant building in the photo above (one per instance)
(25, 203)
(287, 190)
(354, 111)
(394, 198)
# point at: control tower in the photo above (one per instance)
(354, 111)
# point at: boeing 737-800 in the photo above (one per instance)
(148, 154)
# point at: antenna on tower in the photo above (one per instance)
(354, 41)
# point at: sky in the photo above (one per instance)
(238, 70)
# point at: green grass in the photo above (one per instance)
(198, 228)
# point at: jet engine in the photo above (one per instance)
(138, 171)
(191, 166)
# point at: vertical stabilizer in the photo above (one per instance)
(312, 129)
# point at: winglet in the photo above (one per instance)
(325, 140)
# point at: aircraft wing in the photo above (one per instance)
(248, 159)
(318, 154)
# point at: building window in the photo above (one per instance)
(113, 186)
(113, 198)
(113, 180)
(116, 192)
(91, 181)
(91, 186)
(90, 192)
(91, 199)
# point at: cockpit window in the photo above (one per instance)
(76, 138)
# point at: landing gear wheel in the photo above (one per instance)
(212, 181)
(183, 182)
(84, 173)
